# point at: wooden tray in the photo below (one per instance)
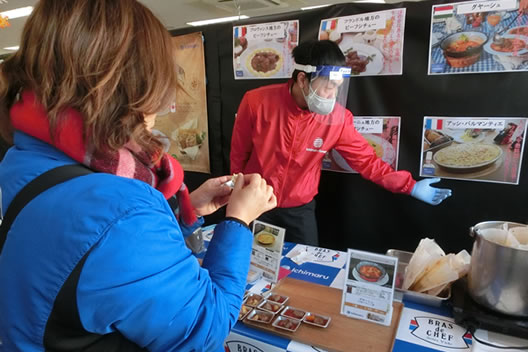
(343, 333)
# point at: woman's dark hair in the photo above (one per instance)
(316, 53)
(110, 60)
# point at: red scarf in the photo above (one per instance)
(29, 116)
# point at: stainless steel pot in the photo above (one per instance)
(498, 275)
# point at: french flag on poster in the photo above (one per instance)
(329, 25)
(434, 124)
(240, 32)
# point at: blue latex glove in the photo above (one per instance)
(423, 191)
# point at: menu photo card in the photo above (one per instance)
(268, 241)
(369, 286)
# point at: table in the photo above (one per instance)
(421, 328)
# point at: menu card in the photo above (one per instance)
(369, 286)
(268, 241)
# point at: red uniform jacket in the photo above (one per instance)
(272, 136)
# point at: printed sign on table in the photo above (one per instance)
(463, 38)
(426, 331)
(372, 42)
(268, 241)
(369, 287)
(239, 342)
(264, 50)
(382, 133)
(486, 149)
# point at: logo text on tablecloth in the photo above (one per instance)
(440, 332)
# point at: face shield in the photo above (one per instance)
(328, 90)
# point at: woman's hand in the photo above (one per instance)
(210, 196)
(251, 197)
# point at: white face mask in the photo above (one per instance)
(317, 104)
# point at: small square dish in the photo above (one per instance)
(253, 299)
(316, 320)
(293, 312)
(286, 323)
(270, 306)
(278, 298)
(260, 316)
(244, 311)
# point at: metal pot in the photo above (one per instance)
(497, 274)
(471, 35)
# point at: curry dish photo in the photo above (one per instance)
(370, 272)
(265, 238)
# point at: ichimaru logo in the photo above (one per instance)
(318, 142)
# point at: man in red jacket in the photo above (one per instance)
(283, 131)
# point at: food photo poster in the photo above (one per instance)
(369, 286)
(371, 42)
(263, 51)
(383, 135)
(485, 149)
(478, 37)
(266, 254)
(182, 126)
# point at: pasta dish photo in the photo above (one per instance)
(467, 155)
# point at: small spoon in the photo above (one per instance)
(497, 38)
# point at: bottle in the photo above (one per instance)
(429, 168)
(511, 130)
(505, 135)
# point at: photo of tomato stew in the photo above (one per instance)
(370, 271)
(462, 45)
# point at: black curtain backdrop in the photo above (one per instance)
(353, 212)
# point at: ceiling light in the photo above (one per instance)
(314, 7)
(218, 20)
(12, 48)
(16, 13)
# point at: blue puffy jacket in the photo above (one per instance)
(138, 280)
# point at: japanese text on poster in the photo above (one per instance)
(372, 42)
(263, 51)
(382, 133)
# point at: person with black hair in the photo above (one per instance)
(282, 131)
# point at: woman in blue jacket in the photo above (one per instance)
(99, 262)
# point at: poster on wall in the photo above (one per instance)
(263, 51)
(381, 132)
(182, 127)
(478, 37)
(372, 42)
(485, 149)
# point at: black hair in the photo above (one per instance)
(317, 52)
